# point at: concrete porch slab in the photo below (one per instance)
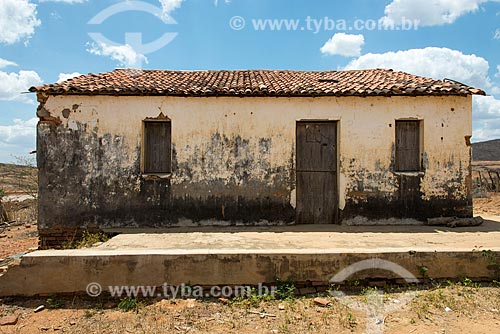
(310, 238)
(237, 256)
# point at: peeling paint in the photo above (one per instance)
(293, 198)
(66, 112)
(342, 191)
(72, 125)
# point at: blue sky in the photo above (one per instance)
(42, 41)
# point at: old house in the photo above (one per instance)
(156, 148)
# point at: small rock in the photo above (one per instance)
(223, 300)
(447, 309)
(97, 244)
(8, 320)
(322, 301)
(3, 236)
(281, 306)
(39, 308)
(191, 302)
(72, 323)
(44, 328)
(109, 305)
(164, 303)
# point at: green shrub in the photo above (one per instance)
(53, 303)
(129, 304)
(87, 240)
(285, 290)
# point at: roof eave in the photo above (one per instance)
(254, 94)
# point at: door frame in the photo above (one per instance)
(335, 121)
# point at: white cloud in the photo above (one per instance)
(169, 6)
(66, 76)
(124, 54)
(497, 34)
(498, 73)
(344, 45)
(17, 20)
(13, 84)
(440, 63)
(429, 12)
(486, 118)
(17, 139)
(486, 130)
(216, 2)
(437, 63)
(11, 133)
(64, 1)
(486, 107)
(5, 63)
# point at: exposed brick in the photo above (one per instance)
(307, 291)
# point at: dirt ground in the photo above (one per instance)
(488, 205)
(463, 307)
(19, 235)
(451, 308)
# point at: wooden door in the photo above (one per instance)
(408, 159)
(157, 155)
(408, 146)
(316, 171)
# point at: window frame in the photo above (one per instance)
(420, 128)
(144, 152)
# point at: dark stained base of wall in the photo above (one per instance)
(383, 209)
(408, 202)
(170, 213)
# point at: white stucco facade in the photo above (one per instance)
(244, 149)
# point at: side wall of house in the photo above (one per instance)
(233, 159)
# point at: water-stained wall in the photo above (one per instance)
(233, 159)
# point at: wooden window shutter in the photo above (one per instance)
(157, 147)
(408, 146)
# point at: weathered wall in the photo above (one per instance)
(233, 158)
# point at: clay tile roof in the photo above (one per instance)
(376, 82)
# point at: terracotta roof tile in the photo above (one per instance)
(256, 83)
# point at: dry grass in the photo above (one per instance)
(473, 308)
